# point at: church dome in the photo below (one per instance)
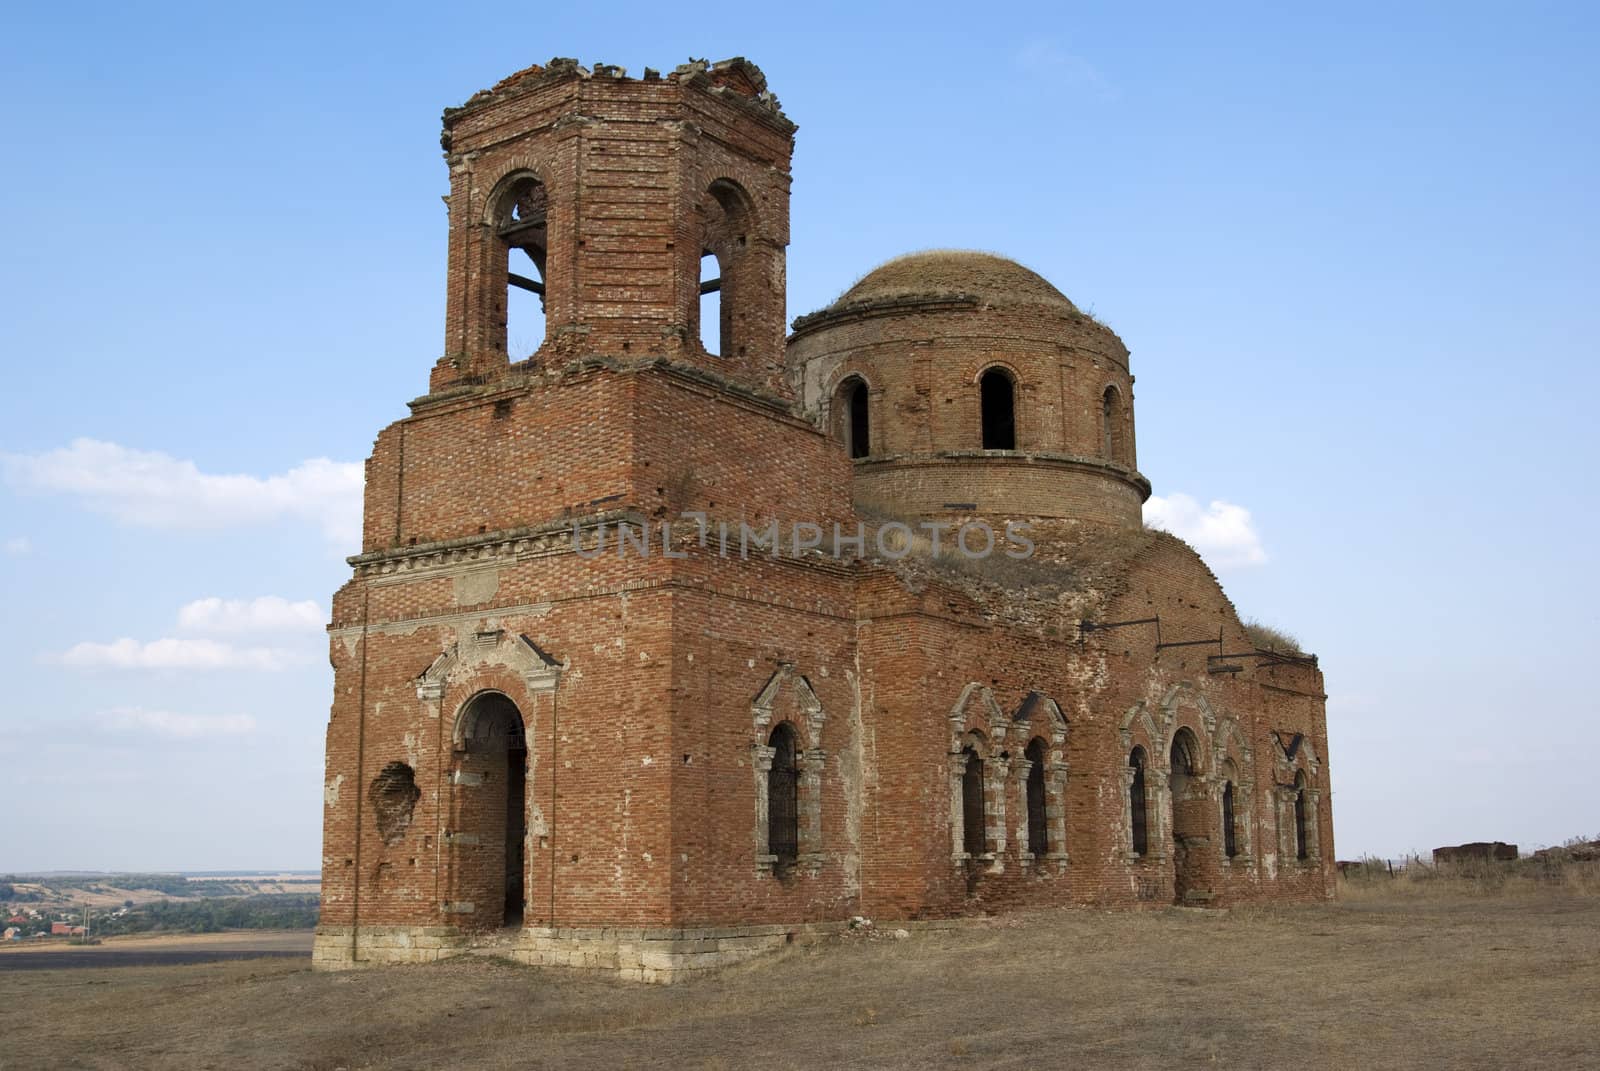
(951, 274)
(963, 383)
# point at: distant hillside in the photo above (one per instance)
(55, 891)
(139, 903)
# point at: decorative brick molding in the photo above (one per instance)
(789, 693)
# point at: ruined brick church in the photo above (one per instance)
(545, 737)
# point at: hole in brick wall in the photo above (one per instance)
(502, 408)
(394, 794)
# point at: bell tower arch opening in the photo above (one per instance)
(727, 269)
(522, 233)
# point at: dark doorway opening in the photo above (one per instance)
(516, 832)
(491, 803)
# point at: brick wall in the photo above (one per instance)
(648, 686)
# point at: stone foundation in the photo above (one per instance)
(639, 955)
(334, 950)
(659, 955)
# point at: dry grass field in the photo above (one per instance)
(1422, 972)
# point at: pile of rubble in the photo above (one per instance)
(1577, 851)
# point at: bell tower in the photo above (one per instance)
(620, 203)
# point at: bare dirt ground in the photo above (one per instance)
(1378, 980)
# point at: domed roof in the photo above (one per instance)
(947, 273)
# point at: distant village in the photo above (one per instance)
(30, 922)
(86, 907)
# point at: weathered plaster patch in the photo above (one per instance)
(476, 587)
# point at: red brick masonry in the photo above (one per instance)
(583, 748)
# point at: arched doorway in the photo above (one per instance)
(492, 811)
(1191, 827)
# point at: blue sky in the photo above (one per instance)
(1353, 253)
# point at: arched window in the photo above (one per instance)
(727, 273)
(1108, 423)
(1301, 849)
(854, 419)
(783, 797)
(522, 227)
(974, 837)
(1038, 827)
(1230, 832)
(1184, 765)
(1136, 803)
(998, 403)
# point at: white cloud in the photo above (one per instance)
(1221, 531)
(169, 653)
(1048, 61)
(17, 546)
(166, 723)
(268, 613)
(156, 490)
